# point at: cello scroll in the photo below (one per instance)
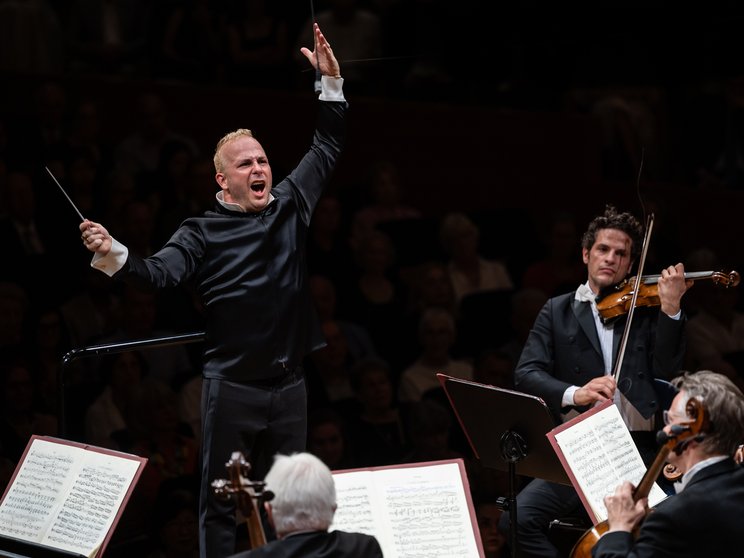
(247, 495)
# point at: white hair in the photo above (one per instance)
(304, 493)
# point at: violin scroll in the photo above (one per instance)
(730, 279)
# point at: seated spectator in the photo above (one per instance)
(384, 203)
(559, 271)
(174, 522)
(327, 439)
(19, 415)
(120, 374)
(378, 427)
(469, 271)
(494, 542)
(437, 335)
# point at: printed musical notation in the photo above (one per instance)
(598, 450)
(66, 496)
(413, 512)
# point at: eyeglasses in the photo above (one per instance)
(669, 417)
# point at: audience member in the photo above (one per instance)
(376, 299)
(138, 321)
(526, 304)
(120, 375)
(188, 45)
(328, 249)
(174, 522)
(108, 37)
(31, 38)
(139, 152)
(494, 367)
(328, 371)
(469, 271)
(328, 439)
(437, 334)
(384, 201)
(258, 46)
(358, 341)
(494, 542)
(378, 428)
(429, 426)
(19, 414)
(559, 271)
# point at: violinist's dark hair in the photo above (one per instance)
(724, 404)
(611, 219)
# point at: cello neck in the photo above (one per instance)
(649, 478)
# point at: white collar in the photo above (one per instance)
(585, 294)
(234, 206)
(695, 469)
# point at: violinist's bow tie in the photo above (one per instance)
(585, 294)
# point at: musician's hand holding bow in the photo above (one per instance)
(597, 390)
(95, 237)
(623, 514)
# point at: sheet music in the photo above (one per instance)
(414, 512)
(601, 455)
(65, 497)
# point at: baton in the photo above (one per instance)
(65, 193)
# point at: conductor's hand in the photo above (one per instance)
(322, 56)
(672, 285)
(95, 237)
(623, 514)
(596, 390)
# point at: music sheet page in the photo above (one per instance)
(414, 512)
(65, 497)
(601, 454)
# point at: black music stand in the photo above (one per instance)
(506, 430)
(15, 548)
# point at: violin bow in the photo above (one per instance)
(631, 310)
(639, 274)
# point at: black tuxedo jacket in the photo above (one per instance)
(563, 350)
(702, 520)
(318, 544)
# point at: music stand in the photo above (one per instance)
(506, 430)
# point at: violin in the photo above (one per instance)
(616, 300)
(674, 441)
(247, 495)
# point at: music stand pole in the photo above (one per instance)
(513, 449)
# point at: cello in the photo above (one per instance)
(247, 495)
(673, 441)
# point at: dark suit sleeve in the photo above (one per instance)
(534, 373)
(307, 180)
(613, 545)
(669, 349)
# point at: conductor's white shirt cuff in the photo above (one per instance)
(113, 261)
(568, 396)
(331, 89)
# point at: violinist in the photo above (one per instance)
(704, 517)
(568, 358)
